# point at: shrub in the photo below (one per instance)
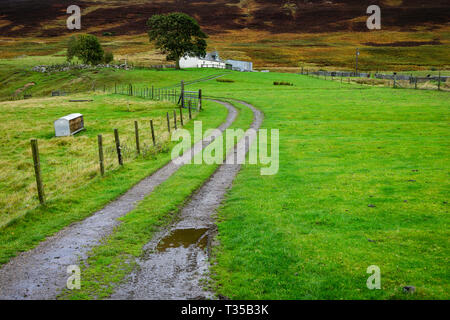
(224, 80)
(108, 57)
(85, 47)
(282, 83)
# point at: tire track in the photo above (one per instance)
(175, 262)
(40, 273)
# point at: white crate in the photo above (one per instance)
(69, 125)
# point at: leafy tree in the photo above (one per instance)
(177, 35)
(108, 57)
(87, 48)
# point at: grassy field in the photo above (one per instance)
(388, 49)
(367, 170)
(68, 162)
(73, 186)
(16, 74)
(364, 168)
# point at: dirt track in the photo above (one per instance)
(41, 272)
(176, 260)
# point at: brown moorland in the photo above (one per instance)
(276, 33)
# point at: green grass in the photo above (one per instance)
(76, 197)
(111, 261)
(342, 148)
(16, 73)
(67, 162)
(303, 233)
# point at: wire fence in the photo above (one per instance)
(394, 80)
(86, 159)
(181, 97)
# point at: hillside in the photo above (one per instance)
(271, 33)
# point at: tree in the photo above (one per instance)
(87, 48)
(177, 35)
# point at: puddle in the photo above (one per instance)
(184, 238)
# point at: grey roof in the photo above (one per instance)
(209, 56)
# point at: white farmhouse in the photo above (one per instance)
(211, 60)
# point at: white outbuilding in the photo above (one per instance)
(238, 65)
(211, 60)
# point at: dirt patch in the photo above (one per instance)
(24, 88)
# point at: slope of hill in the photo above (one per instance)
(45, 18)
(271, 33)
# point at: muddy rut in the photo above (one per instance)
(41, 272)
(175, 262)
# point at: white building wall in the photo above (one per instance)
(189, 62)
(195, 62)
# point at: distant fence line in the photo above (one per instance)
(152, 67)
(398, 80)
(377, 75)
(210, 77)
(185, 99)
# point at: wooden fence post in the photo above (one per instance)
(168, 122)
(439, 80)
(153, 133)
(181, 117)
(175, 119)
(100, 155)
(182, 94)
(395, 80)
(37, 170)
(136, 133)
(190, 110)
(118, 148)
(200, 104)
